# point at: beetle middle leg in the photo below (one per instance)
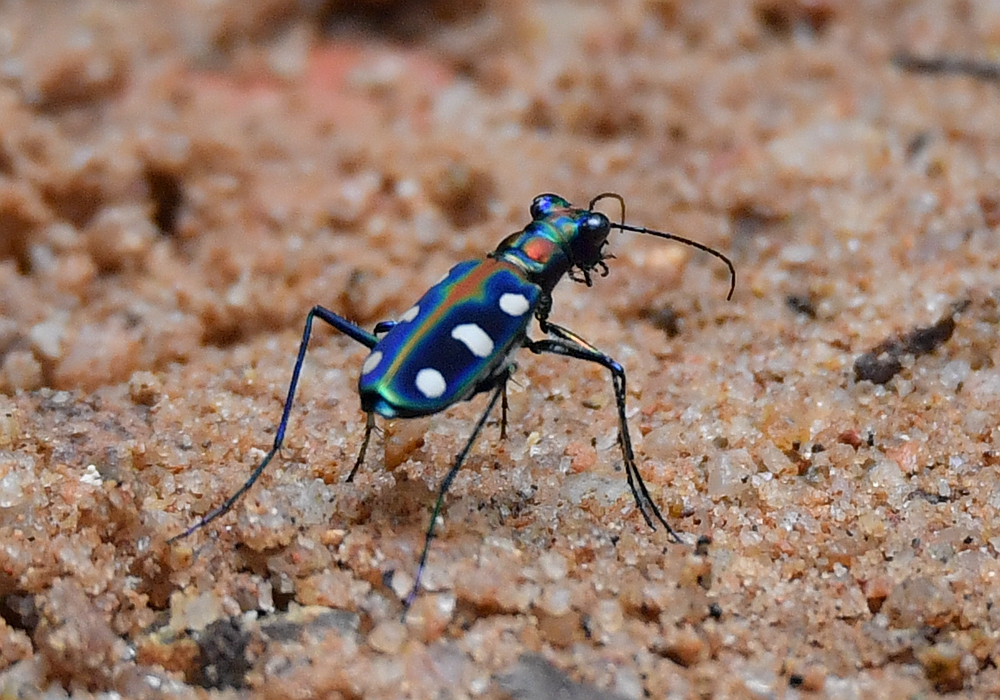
(498, 391)
(369, 428)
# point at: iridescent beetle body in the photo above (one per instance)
(459, 339)
(450, 345)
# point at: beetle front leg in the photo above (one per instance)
(569, 344)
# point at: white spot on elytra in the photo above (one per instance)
(430, 382)
(514, 304)
(475, 338)
(410, 314)
(371, 362)
(91, 476)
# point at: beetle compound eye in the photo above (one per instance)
(541, 206)
(595, 225)
(544, 204)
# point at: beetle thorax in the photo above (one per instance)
(541, 250)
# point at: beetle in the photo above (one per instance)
(460, 338)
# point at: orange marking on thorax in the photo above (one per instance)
(539, 249)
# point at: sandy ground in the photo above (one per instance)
(181, 181)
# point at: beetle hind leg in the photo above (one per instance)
(338, 323)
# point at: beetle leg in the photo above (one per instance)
(383, 327)
(443, 489)
(568, 344)
(369, 427)
(504, 408)
(344, 326)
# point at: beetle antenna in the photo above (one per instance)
(668, 236)
(608, 195)
(693, 244)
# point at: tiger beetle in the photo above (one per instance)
(460, 338)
